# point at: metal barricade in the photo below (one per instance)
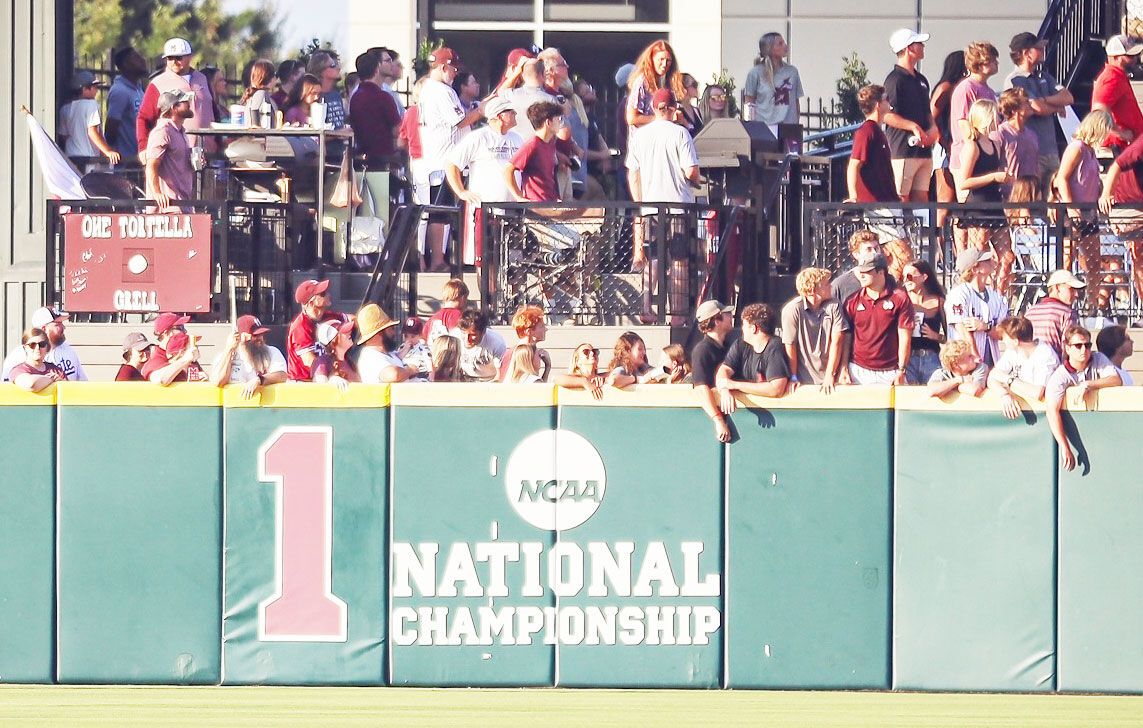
(577, 261)
(1031, 239)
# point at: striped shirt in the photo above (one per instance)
(965, 302)
(1049, 318)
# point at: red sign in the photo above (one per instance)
(128, 262)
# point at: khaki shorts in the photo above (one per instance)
(912, 174)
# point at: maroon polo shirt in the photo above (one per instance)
(374, 117)
(871, 148)
(875, 325)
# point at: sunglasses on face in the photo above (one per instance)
(593, 353)
(1080, 344)
(39, 344)
(717, 97)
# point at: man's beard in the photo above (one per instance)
(255, 355)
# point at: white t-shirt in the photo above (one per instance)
(662, 151)
(372, 362)
(1098, 368)
(1034, 369)
(75, 119)
(240, 373)
(486, 153)
(63, 356)
(440, 112)
(522, 99)
(964, 302)
(490, 350)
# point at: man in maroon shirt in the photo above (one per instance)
(373, 114)
(1124, 183)
(160, 368)
(870, 177)
(882, 318)
(135, 355)
(302, 347)
(1112, 92)
(536, 159)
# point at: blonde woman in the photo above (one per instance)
(524, 367)
(983, 175)
(773, 86)
(446, 359)
(1077, 180)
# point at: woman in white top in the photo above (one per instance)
(773, 86)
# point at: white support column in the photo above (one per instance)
(696, 36)
(392, 24)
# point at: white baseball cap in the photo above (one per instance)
(45, 315)
(177, 48)
(1122, 45)
(905, 37)
(496, 105)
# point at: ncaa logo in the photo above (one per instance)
(555, 479)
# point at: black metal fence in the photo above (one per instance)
(252, 249)
(579, 263)
(1031, 240)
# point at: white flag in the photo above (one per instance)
(60, 175)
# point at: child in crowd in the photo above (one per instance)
(1021, 145)
(960, 371)
(413, 349)
(675, 369)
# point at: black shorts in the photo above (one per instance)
(443, 196)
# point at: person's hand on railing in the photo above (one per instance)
(726, 402)
(828, 384)
(470, 197)
(1106, 202)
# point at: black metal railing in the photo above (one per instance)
(1075, 30)
(1033, 239)
(576, 261)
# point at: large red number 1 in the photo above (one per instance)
(303, 608)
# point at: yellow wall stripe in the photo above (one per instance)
(10, 394)
(459, 394)
(294, 395)
(142, 394)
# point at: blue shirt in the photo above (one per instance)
(123, 102)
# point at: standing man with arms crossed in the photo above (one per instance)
(1046, 96)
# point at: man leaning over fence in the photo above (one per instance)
(1083, 369)
(755, 364)
(715, 322)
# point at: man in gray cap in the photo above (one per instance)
(881, 315)
(715, 322)
(1046, 95)
(135, 351)
(169, 172)
(973, 308)
(178, 75)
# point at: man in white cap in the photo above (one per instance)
(1112, 91)
(51, 320)
(177, 76)
(1054, 313)
(909, 123)
(169, 173)
(484, 152)
(974, 308)
(715, 322)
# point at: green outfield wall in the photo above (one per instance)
(524, 535)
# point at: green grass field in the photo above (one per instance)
(229, 707)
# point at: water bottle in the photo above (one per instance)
(266, 112)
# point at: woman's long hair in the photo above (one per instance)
(765, 55)
(305, 85)
(261, 76)
(645, 69)
(953, 70)
(622, 355)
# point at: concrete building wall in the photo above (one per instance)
(822, 32)
(30, 60)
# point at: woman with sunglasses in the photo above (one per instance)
(34, 373)
(583, 371)
(715, 103)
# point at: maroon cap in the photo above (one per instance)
(661, 97)
(250, 325)
(412, 325)
(441, 56)
(179, 342)
(308, 289)
(167, 321)
(516, 54)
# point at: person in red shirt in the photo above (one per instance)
(373, 113)
(454, 299)
(870, 171)
(136, 350)
(1124, 183)
(161, 367)
(1112, 92)
(882, 319)
(302, 346)
(536, 160)
(34, 374)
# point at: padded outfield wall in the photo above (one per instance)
(523, 535)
